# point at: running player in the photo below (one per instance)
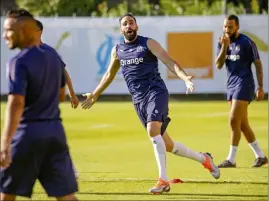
(138, 58)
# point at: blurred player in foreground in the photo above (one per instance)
(33, 141)
(138, 58)
(238, 52)
(72, 95)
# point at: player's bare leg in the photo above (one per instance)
(181, 150)
(261, 159)
(153, 129)
(235, 120)
(70, 197)
(7, 197)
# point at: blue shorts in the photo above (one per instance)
(244, 93)
(154, 108)
(39, 151)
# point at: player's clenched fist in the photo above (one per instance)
(225, 40)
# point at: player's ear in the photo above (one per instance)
(137, 28)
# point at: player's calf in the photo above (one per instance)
(235, 123)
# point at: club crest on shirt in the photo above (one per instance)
(234, 48)
(140, 49)
(237, 48)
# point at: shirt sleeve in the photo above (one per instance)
(253, 51)
(17, 77)
(63, 65)
(61, 61)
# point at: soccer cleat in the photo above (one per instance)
(209, 164)
(227, 164)
(260, 162)
(160, 187)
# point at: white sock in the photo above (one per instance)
(232, 153)
(160, 155)
(181, 150)
(256, 149)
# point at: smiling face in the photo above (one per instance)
(12, 33)
(128, 28)
(19, 32)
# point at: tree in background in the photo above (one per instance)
(7, 5)
(59, 7)
(263, 6)
(113, 8)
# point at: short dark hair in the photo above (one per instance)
(235, 18)
(127, 14)
(19, 13)
(39, 25)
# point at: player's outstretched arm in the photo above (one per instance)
(221, 57)
(108, 77)
(172, 65)
(73, 98)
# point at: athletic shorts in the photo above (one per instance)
(154, 107)
(39, 151)
(244, 93)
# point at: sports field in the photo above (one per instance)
(115, 159)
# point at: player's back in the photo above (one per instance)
(43, 74)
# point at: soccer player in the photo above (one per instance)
(33, 141)
(238, 52)
(73, 98)
(138, 58)
(72, 95)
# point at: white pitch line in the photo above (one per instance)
(184, 180)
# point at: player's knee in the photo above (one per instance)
(169, 147)
(153, 128)
(234, 122)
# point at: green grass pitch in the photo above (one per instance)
(115, 159)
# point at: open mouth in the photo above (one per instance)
(129, 31)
